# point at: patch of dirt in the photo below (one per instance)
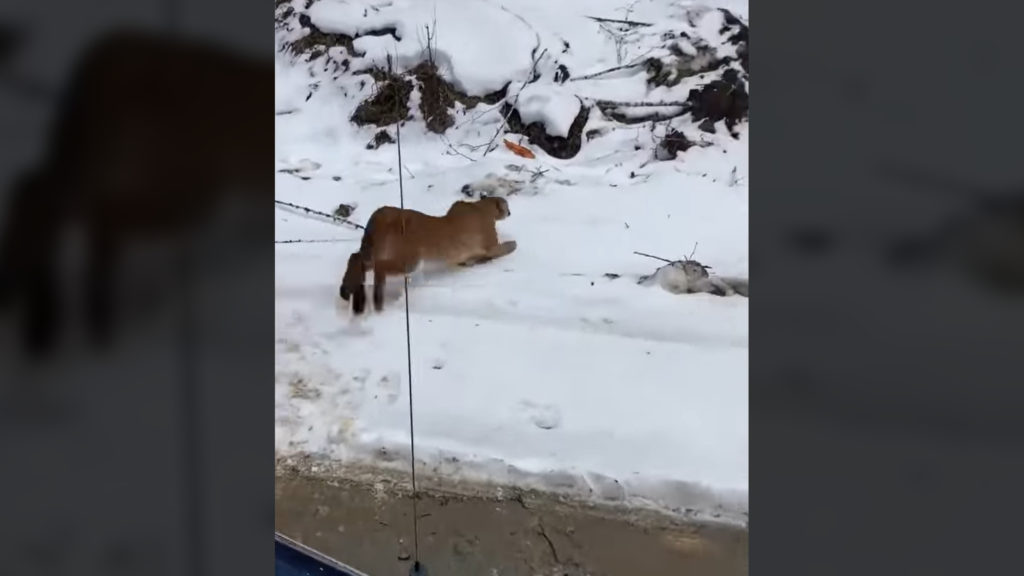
(317, 42)
(388, 105)
(740, 36)
(627, 116)
(561, 74)
(282, 14)
(555, 146)
(723, 99)
(672, 70)
(344, 210)
(438, 97)
(673, 143)
(379, 139)
(300, 388)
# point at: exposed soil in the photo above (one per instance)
(673, 143)
(381, 138)
(437, 98)
(369, 527)
(620, 114)
(672, 70)
(723, 99)
(317, 42)
(740, 36)
(388, 105)
(555, 146)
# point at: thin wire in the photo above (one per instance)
(333, 217)
(316, 240)
(408, 357)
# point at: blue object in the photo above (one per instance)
(294, 559)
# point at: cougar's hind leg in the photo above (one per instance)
(379, 280)
(353, 284)
(359, 300)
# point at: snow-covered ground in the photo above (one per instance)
(550, 363)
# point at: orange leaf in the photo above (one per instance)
(519, 150)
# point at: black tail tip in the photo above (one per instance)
(359, 302)
(343, 292)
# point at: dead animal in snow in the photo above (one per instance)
(692, 277)
(493, 185)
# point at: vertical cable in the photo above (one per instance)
(416, 567)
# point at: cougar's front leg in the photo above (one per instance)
(503, 249)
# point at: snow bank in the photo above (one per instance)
(552, 105)
(478, 46)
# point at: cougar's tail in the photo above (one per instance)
(353, 285)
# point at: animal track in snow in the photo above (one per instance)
(543, 416)
(390, 386)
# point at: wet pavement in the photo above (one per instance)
(368, 525)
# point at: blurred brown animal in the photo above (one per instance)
(153, 132)
(396, 241)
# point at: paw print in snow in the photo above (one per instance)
(390, 386)
(543, 416)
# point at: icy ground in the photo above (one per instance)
(549, 367)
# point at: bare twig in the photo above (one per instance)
(504, 121)
(629, 9)
(613, 109)
(478, 115)
(654, 257)
(453, 150)
(692, 252)
(619, 37)
(520, 18)
(607, 71)
(430, 48)
(551, 545)
(633, 23)
(616, 104)
(537, 174)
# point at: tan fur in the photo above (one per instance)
(150, 136)
(396, 241)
